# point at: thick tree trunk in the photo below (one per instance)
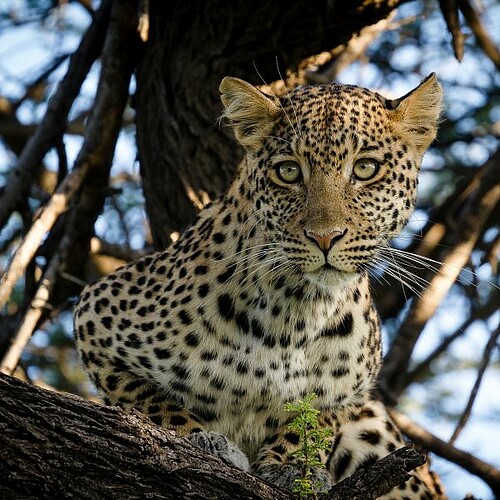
(62, 446)
(185, 156)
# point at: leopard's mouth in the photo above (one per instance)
(328, 266)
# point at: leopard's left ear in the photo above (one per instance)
(417, 113)
(251, 112)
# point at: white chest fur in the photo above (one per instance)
(253, 363)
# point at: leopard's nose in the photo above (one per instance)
(325, 241)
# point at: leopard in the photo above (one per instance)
(266, 297)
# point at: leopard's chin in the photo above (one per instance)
(328, 276)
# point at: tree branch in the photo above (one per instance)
(467, 230)
(40, 79)
(99, 246)
(53, 123)
(38, 305)
(353, 50)
(489, 474)
(47, 439)
(380, 478)
(58, 204)
(490, 345)
(484, 311)
(483, 38)
(449, 10)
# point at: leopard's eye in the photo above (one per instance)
(365, 169)
(288, 172)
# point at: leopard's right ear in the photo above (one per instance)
(417, 113)
(251, 112)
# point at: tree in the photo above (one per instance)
(126, 456)
(182, 51)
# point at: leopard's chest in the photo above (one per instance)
(241, 375)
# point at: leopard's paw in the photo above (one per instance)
(221, 446)
(285, 476)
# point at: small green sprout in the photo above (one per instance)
(312, 440)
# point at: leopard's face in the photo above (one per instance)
(334, 177)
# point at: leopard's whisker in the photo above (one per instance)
(403, 264)
(263, 266)
(290, 100)
(278, 270)
(397, 258)
(278, 100)
(397, 274)
(250, 248)
(403, 260)
(279, 139)
(274, 269)
(418, 280)
(432, 263)
(435, 266)
(376, 265)
(249, 231)
(255, 222)
(258, 264)
(403, 281)
(257, 252)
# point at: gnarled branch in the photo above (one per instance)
(57, 445)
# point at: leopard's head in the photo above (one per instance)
(331, 169)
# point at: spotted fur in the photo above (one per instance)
(265, 298)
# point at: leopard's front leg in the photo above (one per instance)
(154, 403)
(359, 438)
(277, 463)
(122, 387)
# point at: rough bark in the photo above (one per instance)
(185, 157)
(62, 446)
